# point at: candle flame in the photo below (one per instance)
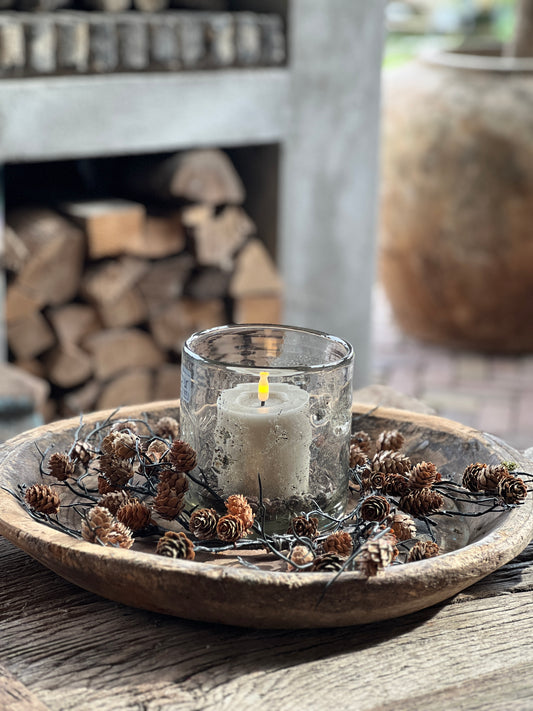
(262, 387)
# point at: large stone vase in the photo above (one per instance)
(456, 246)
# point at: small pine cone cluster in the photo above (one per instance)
(375, 555)
(170, 498)
(303, 527)
(374, 508)
(391, 462)
(395, 485)
(60, 466)
(167, 428)
(182, 456)
(511, 490)
(156, 451)
(134, 514)
(117, 471)
(403, 526)
(299, 556)
(203, 524)
(422, 476)
(42, 498)
(422, 550)
(230, 528)
(362, 440)
(327, 562)
(484, 477)
(391, 440)
(421, 502)
(175, 545)
(113, 500)
(97, 525)
(339, 543)
(358, 458)
(238, 505)
(82, 452)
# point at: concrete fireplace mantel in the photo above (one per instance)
(322, 109)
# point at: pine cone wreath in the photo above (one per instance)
(303, 527)
(97, 525)
(238, 505)
(167, 428)
(375, 555)
(391, 440)
(339, 543)
(203, 524)
(60, 466)
(120, 536)
(135, 515)
(327, 562)
(362, 440)
(170, 498)
(403, 526)
(300, 556)
(484, 477)
(230, 528)
(182, 456)
(395, 485)
(421, 502)
(113, 500)
(175, 545)
(511, 489)
(390, 462)
(422, 476)
(422, 550)
(374, 508)
(42, 498)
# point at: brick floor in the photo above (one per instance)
(492, 393)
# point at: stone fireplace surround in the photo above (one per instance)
(321, 110)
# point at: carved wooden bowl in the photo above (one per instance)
(227, 592)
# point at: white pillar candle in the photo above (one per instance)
(272, 440)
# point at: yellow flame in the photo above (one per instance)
(262, 387)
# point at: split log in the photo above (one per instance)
(19, 304)
(163, 236)
(15, 253)
(116, 350)
(110, 280)
(30, 336)
(12, 47)
(200, 176)
(208, 283)
(164, 44)
(164, 281)
(52, 273)
(41, 43)
(72, 42)
(133, 48)
(257, 309)
(107, 5)
(110, 225)
(215, 238)
(81, 400)
(255, 273)
(167, 381)
(130, 388)
(174, 324)
(68, 366)
(129, 309)
(32, 367)
(72, 323)
(103, 40)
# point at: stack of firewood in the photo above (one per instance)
(101, 295)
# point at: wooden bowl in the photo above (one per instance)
(233, 594)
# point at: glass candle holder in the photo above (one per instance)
(268, 411)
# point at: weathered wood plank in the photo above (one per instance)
(14, 696)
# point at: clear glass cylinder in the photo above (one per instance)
(269, 406)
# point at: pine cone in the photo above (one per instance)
(328, 562)
(511, 489)
(422, 476)
(482, 477)
(395, 485)
(81, 452)
(135, 515)
(167, 427)
(171, 489)
(117, 471)
(175, 545)
(230, 528)
(203, 523)
(112, 501)
(104, 486)
(357, 457)
(129, 425)
(60, 466)
(125, 445)
(377, 480)
(42, 498)
(374, 508)
(97, 525)
(300, 556)
(182, 456)
(421, 502)
(303, 528)
(156, 451)
(107, 446)
(237, 505)
(391, 440)
(375, 555)
(422, 550)
(403, 526)
(120, 536)
(362, 440)
(391, 462)
(339, 543)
